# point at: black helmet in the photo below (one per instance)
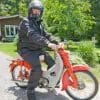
(35, 4)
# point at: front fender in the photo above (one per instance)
(80, 67)
(65, 78)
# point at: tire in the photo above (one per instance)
(22, 83)
(88, 86)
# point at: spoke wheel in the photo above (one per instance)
(87, 86)
(20, 75)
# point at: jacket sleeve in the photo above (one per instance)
(49, 37)
(33, 35)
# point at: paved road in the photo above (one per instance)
(9, 91)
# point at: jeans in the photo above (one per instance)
(32, 57)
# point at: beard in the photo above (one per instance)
(35, 17)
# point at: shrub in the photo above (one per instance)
(98, 54)
(88, 53)
(71, 45)
(70, 42)
(75, 59)
(15, 40)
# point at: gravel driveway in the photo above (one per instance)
(9, 91)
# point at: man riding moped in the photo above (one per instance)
(32, 39)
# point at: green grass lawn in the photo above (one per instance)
(10, 49)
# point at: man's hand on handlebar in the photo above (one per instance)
(55, 47)
(60, 45)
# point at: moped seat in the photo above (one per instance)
(41, 57)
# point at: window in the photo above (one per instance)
(10, 30)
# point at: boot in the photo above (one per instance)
(31, 95)
(32, 84)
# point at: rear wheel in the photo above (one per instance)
(87, 86)
(20, 75)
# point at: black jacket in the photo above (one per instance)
(32, 35)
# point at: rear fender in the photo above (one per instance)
(12, 65)
(19, 62)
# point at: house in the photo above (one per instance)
(8, 27)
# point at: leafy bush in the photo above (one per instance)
(7, 39)
(98, 54)
(71, 45)
(15, 40)
(88, 53)
(70, 42)
(75, 59)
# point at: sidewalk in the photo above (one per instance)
(9, 91)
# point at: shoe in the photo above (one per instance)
(31, 95)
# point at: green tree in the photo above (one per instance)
(64, 18)
(11, 7)
(68, 18)
(3, 9)
(96, 14)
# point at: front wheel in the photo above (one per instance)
(87, 86)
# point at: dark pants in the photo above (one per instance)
(32, 57)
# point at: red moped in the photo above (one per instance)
(77, 80)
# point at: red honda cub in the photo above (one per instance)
(77, 80)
